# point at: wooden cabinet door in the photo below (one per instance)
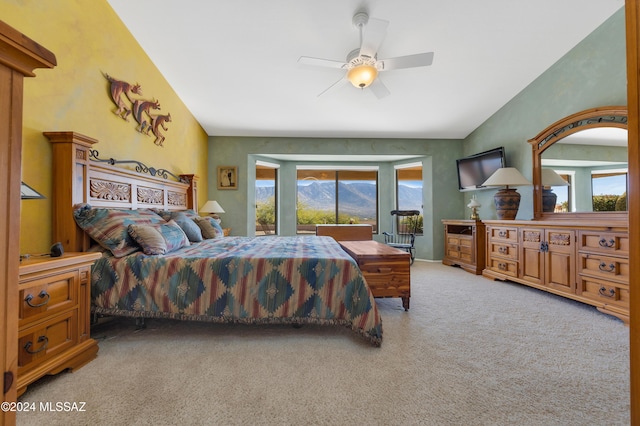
(531, 255)
(560, 260)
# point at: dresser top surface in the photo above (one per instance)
(36, 263)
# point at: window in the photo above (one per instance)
(609, 190)
(331, 195)
(409, 189)
(266, 198)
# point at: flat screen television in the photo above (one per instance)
(475, 169)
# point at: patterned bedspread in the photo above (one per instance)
(293, 280)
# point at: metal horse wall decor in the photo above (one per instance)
(121, 92)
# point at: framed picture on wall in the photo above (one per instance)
(227, 177)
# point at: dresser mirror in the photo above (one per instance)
(588, 153)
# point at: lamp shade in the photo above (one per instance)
(28, 193)
(211, 206)
(507, 200)
(506, 176)
(474, 203)
(549, 198)
(362, 75)
(551, 178)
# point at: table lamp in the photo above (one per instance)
(507, 200)
(549, 198)
(212, 207)
(474, 205)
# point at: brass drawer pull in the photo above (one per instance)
(503, 234)
(43, 295)
(502, 266)
(603, 267)
(604, 243)
(503, 249)
(603, 292)
(41, 339)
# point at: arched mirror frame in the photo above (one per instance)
(609, 116)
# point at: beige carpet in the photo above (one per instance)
(469, 352)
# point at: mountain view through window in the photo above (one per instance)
(340, 197)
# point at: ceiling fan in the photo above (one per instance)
(362, 63)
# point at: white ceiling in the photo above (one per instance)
(234, 62)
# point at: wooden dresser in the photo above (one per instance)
(584, 261)
(386, 269)
(464, 244)
(54, 315)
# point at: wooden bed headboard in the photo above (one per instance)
(79, 179)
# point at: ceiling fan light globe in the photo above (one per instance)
(362, 75)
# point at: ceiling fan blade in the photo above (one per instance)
(409, 61)
(372, 37)
(379, 89)
(334, 86)
(318, 62)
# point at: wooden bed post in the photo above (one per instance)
(192, 192)
(70, 164)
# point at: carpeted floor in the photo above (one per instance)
(469, 352)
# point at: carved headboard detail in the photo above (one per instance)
(80, 177)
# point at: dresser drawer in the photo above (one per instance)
(46, 296)
(606, 292)
(453, 240)
(508, 251)
(503, 266)
(47, 339)
(463, 240)
(613, 243)
(501, 233)
(604, 267)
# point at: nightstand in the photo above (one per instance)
(54, 315)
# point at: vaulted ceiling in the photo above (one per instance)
(235, 63)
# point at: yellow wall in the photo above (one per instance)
(88, 40)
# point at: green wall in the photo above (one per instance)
(591, 74)
(438, 156)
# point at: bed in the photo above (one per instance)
(251, 280)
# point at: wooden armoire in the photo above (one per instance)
(19, 56)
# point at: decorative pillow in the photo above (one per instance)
(188, 226)
(210, 227)
(168, 214)
(108, 227)
(159, 238)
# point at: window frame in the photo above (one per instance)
(336, 171)
(405, 167)
(263, 165)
